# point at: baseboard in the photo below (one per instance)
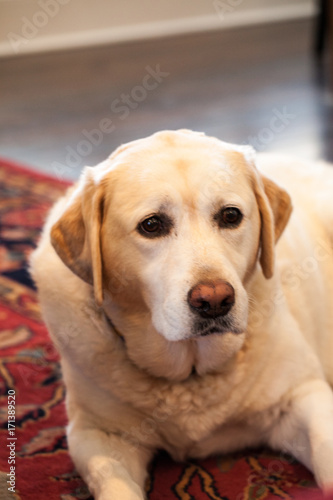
(222, 19)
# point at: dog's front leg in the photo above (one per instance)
(112, 468)
(306, 430)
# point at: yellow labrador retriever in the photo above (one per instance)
(179, 322)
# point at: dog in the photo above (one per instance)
(192, 307)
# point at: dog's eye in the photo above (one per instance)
(154, 226)
(230, 217)
(151, 225)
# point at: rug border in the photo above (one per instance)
(30, 170)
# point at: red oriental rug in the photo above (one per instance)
(34, 461)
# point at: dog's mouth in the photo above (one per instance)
(214, 326)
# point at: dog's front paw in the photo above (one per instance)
(118, 489)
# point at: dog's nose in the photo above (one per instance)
(212, 299)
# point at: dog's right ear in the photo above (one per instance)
(76, 236)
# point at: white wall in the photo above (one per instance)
(40, 25)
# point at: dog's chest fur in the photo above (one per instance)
(180, 417)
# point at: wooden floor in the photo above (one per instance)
(256, 85)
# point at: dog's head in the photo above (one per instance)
(169, 230)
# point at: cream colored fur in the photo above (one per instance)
(138, 375)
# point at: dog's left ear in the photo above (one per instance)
(76, 236)
(275, 208)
